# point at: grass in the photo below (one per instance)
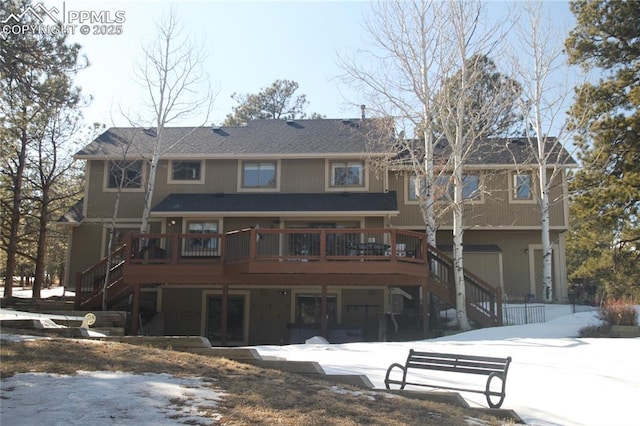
(252, 395)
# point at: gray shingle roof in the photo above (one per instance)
(279, 202)
(74, 215)
(498, 151)
(509, 151)
(260, 137)
(317, 137)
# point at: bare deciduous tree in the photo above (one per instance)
(177, 89)
(541, 69)
(462, 119)
(401, 82)
(421, 55)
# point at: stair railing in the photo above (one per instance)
(484, 302)
(91, 281)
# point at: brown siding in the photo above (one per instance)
(182, 308)
(361, 307)
(269, 316)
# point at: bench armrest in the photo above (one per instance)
(388, 381)
(488, 392)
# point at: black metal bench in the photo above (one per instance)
(470, 364)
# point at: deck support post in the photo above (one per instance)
(324, 329)
(225, 312)
(425, 310)
(135, 310)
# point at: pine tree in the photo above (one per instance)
(274, 102)
(36, 73)
(604, 245)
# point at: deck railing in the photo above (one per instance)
(312, 245)
(175, 248)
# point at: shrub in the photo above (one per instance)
(619, 312)
(595, 331)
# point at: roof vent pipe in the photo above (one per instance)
(363, 108)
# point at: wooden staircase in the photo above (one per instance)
(90, 283)
(484, 302)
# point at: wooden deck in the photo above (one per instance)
(283, 256)
(323, 257)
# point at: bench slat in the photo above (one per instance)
(456, 368)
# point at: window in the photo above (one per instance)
(470, 187)
(205, 246)
(347, 174)
(522, 186)
(259, 174)
(444, 188)
(125, 174)
(309, 309)
(186, 171)
(415, 186)
(236, 309)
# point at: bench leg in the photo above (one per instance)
(488, 393)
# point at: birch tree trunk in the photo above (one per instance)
(539, 60)
(112, 231)
(458, 246)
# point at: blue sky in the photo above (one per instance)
(250, 44)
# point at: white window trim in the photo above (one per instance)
(329, 176)
(512, 198)
(200, 181)
(240, 186)
(308, 291)
(185, 230)
(481, 183)
(479, 200)
(143, 178)
(406, 185)
(245, 319)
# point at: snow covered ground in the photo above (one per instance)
(555, 378)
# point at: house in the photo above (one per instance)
(279, 230)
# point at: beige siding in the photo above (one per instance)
(236, 223)
(85, 249)
(496, 210)
(100, 203)
(303, 175)
(220, 176)
(515, 255)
